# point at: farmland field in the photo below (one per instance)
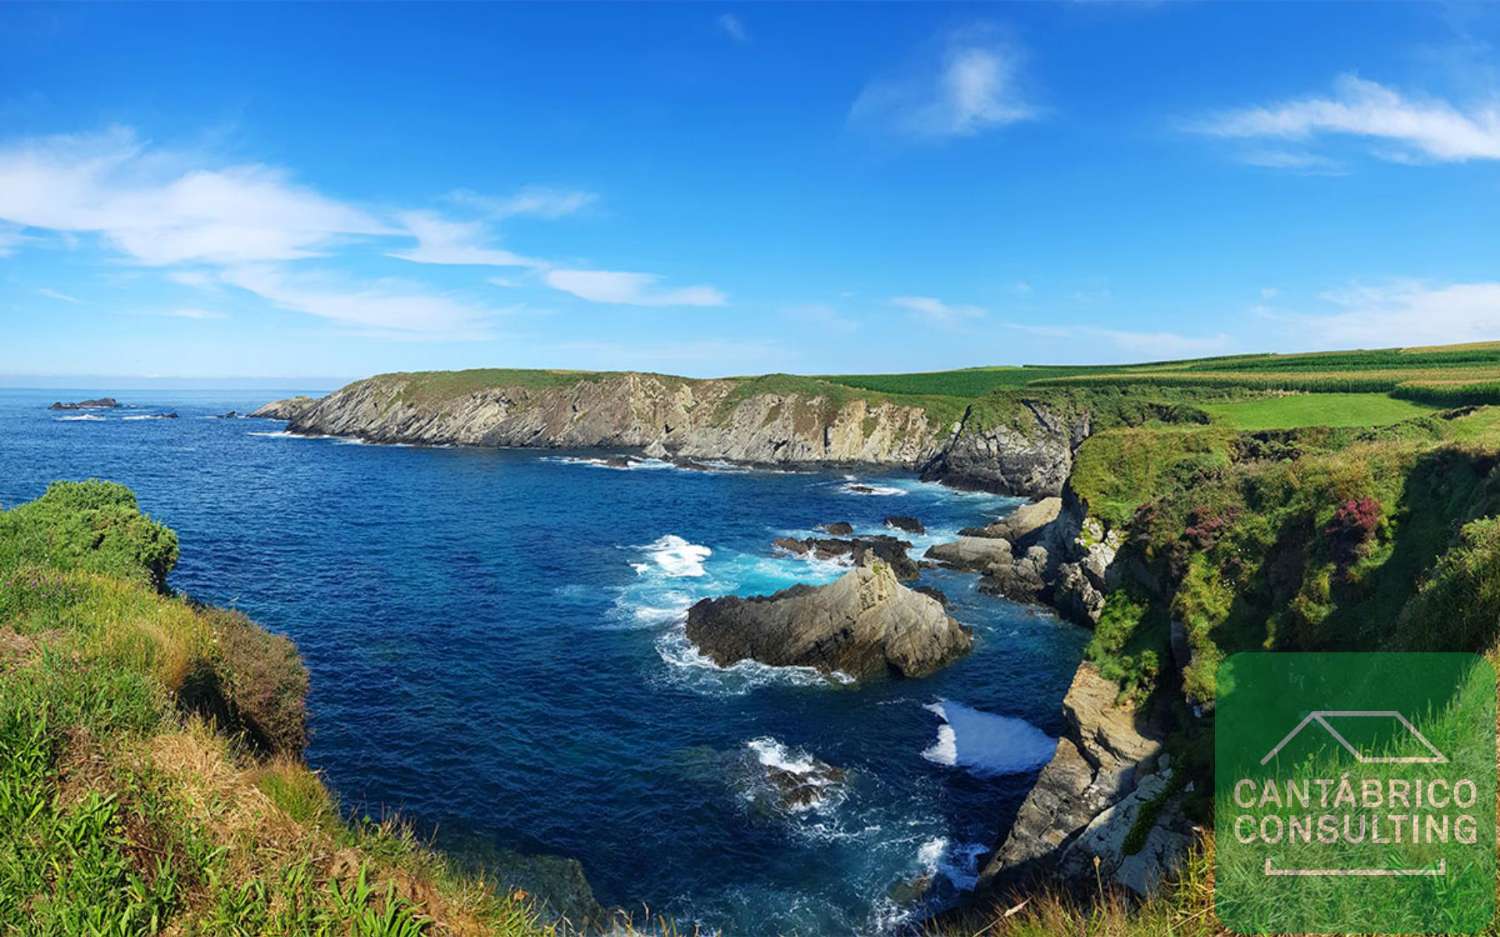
(1295, 410)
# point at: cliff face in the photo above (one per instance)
(695, 419)
(1030, 454)
(707, 419)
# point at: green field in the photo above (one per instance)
(1297, 410)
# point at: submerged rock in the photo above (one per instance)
(788, 781)
(865, 624)
(905, 522)
(861, 551)
(839, 528)
(100, 403)
(555, 886)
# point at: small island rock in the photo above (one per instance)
(865, 624)
(289, 409)
(905, 522)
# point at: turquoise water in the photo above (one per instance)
(496, 650)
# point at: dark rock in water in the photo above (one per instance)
(910, 890)
(619, 461)
(101, 403)
(166, 416)
(860, 489)
(231, 415)
(862, 551)
(555, 885)
(865, 624)
(933, 591)
(905, 522)
(794, 780)
(839, 528)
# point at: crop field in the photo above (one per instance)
(1291, 411)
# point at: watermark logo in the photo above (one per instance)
(1355, 792)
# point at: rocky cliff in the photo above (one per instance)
(774, 421)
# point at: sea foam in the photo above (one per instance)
(984, 743)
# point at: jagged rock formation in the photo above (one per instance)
(865, 624)
(289, 409)
(1089, 797)
(1029, 455)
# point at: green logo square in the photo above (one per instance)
(1355, 792)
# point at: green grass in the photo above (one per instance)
(1291, 411)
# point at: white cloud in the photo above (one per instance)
(197, 279)
(504, 282)
(1140, 346)
(384, 308)
(9, 238)
(58, 295)
(970, 85)
(194, 313)
(440, 241)
(935, 310)
(1430, 128)
(153, 207)
(1403, 312)
(820, 315)
(536, 201)
(733, 27)
(630, 289)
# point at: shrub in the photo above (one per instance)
(1352, 528)
(263, 681)
(91, 525)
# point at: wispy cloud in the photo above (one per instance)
(1400, 312)
(190, 312)
(820, 315)
(630, 289)
(385, 308)
(968, 84)
(58, 295)
(1140, 345)
(1406, 127)
(935, 310)
(159, 210)
(441, 241)
(536, 201)
(733, 27)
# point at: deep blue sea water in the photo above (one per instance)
(496, 651)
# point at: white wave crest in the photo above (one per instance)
(674, 556)
(81, 417)
(986, 744)
(284, 434)
(853, 487)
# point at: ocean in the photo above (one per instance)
(497, 654)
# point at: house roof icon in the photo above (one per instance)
(1321, 717)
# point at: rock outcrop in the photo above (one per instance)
(1090, 795)
(978, 554)
(1021, 525)
(100, 403)
(861, 551)
(289, 409)
(865, 624)
(905, 522)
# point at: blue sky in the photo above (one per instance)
(328, 191)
